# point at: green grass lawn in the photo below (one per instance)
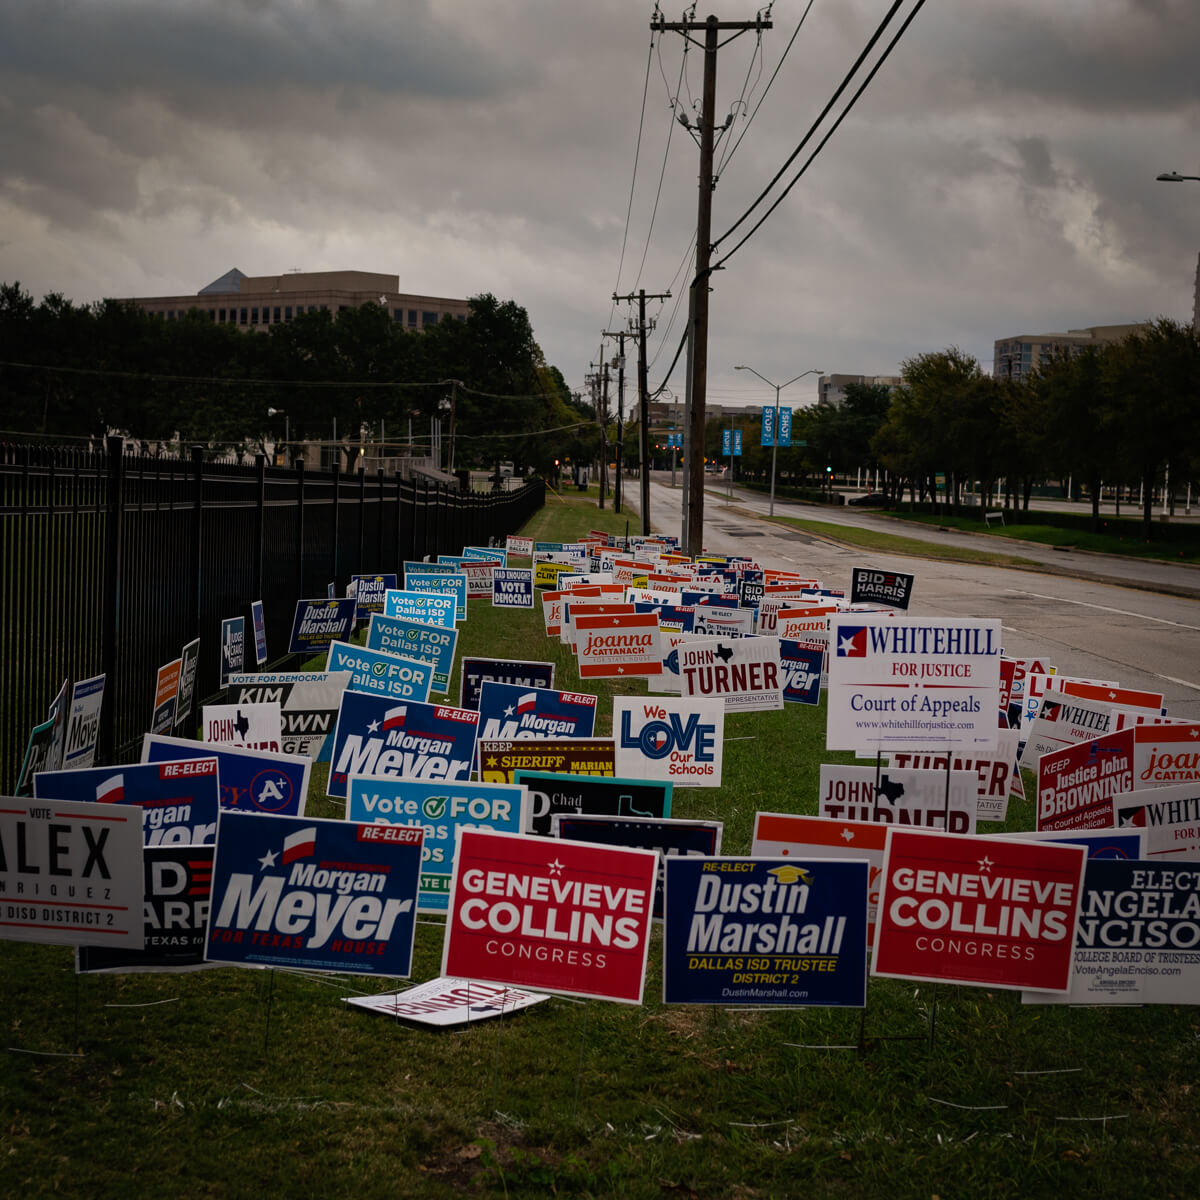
(235, 1082)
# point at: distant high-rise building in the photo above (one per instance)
(831, 389)
(1017, 357)
(257, 302)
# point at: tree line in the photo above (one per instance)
(88, 370)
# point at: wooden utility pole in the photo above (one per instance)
(643, 394)
(697, 382)
(620, 335)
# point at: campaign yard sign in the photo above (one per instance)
(500, 759)
(1138, 940)
(189, 665)
(259, 622)
(176, 890)
(381, 673)
(318, 894)
(441, 809)
(378, 736)
(308, 703)
(520, 546)
(512, 587)
(83, 722)
(896, 796)
(790, 836)
(179, 800)
(166, 693)
(369, 593)
(1063, 721)
(512, 711)
(800, 672)
(551, 915)
(777, 932)
(452, 583)
(986, 912)
(869, 586)
(667, 837)
(233, 645)
(431, 607)
(443, 1002)
(993, 771)
(317, 623)
(1076, 786)
(70, 874)
(479, 576)
(255, 726)
(623, 644)
(912, 683)
(678, 740)
(551, 794)
(742, 672)
(416, 639)
(1168, 817)
(249, 779)
(475, 672)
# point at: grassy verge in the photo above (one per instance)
(240, 1082)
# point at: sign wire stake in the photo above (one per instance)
(583, 1030)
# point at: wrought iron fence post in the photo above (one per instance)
(197, 531)
(114, 488)
(336, 473)
(260, 522)
(300, 529)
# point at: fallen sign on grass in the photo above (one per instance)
(449, 1001)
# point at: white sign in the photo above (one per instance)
(252, 726)
(893, 796)
(743, 672)
(449, 1001)
(659, 737)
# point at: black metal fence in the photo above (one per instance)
(112, 562)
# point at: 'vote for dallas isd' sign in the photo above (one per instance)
(909, 683)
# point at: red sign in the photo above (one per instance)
(623, 644)
(1076, 785)
(988, 912)
(566, 917)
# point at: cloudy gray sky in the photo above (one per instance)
(997, 177)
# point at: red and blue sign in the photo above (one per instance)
(510, 711)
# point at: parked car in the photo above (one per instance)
(869, 500)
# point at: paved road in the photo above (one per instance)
(1093, 616)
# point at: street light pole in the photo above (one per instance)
(1174, 177)
(775, 427)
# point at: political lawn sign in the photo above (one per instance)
(70, 874)
(868, 586)
(259, 622)
(556, 916)
(166, 693)
(380, 672)
(431, 607)
(800, 672)
(447, 1001)
(249, 779)
(369, 593)
(667, 837)
(83, 722)
(624, 644)
(767, 931)
(993, 771)
(551, 794)
(475, 672)
(317, 894)
(308, 703)
(440, 809)
(1064, 721)
(896, 796)
(376, 735)
(1076, 786)
(1168, 817)
(1138, 940)
(500, 759)
(178, 800)
(512, 587)
(986, 912)
(189, 664)
(512, 711)
(254, 726)
(792, 836)
(453, 583)
(661, 737)
(233, 644)
(176, 891)
(742, 672)
(416, 639)
(318, 623)
(912, 683)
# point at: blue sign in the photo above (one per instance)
(441, 809)
(509, 711)
(376, 735)
(477, 671)
(416, 639)
(439, 568)
(496, 554)
(318, 623)
(726, 436)
(675, 617)
(675, 441)
(737, 443)
(785, 426)
(250, 779)
(178, 799)
(670, 838)
(369, 591)
(380, 673)
(233, 640)
(766, 931)
(453, 584)
(800, 668)
(327, 895)
(731, 443)
(512, 587)
(768, 426)
(260, 631)
(709, 599)
(432, 608)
